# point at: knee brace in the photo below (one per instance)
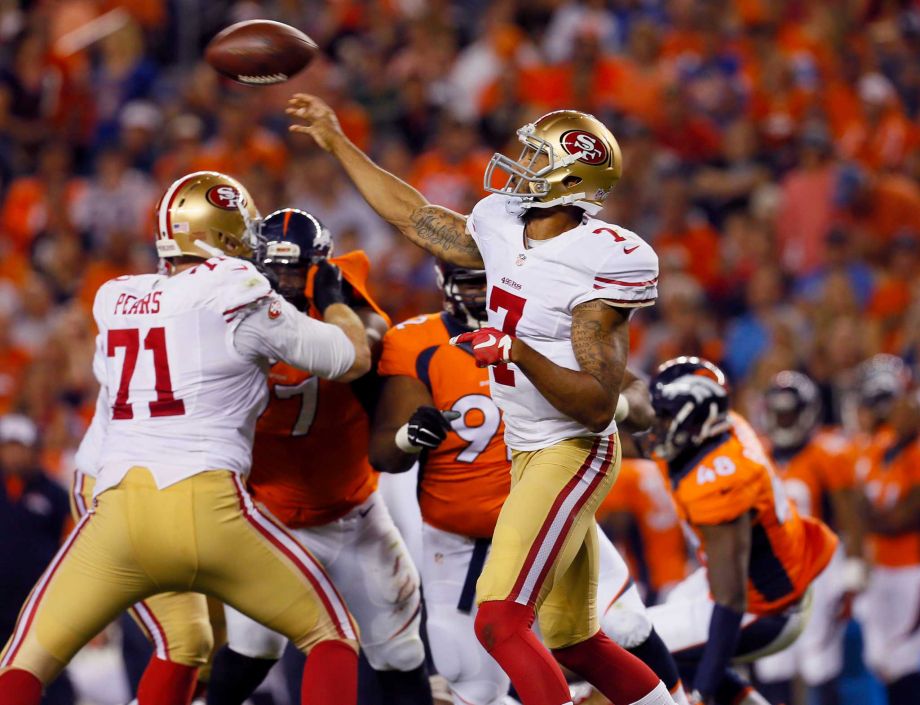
(626, 627)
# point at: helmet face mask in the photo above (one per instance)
(294, 241)
(582, 163)
(691, 407)
(792, 410)
(207, 214)
(464, 293)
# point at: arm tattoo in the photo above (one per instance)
(596, 328)
(443, 234)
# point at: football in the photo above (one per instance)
(260, 52)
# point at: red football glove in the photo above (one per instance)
(490, 345)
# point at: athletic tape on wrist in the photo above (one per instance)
(403, 443)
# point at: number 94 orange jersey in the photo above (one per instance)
(465, 481)
(309, 461)
(732, 475)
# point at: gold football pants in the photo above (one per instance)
(201, 535)
(177, 624)
(544, 549)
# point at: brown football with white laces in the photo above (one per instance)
(260, 52)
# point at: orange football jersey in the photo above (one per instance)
(309, 460)
(889, 471)
(732, 475)
(824, 465)
(464, 482)
(641, 491)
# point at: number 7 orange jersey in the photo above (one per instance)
(465, 481)
(731, 475)
(309, 461)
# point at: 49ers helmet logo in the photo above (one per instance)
(593, 151)
(224, 196)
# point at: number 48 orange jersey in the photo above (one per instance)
(732, 475)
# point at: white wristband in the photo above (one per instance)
(855, 574)
(622, 410)
(402, 441)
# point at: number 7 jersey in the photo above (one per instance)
(532, 292)
(181, 399)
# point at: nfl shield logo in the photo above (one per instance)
(521, 258)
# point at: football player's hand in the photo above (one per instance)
(314, 117)
(328, 288)
(490, 345)
(427, 428)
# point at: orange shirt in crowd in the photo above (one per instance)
(636, 90)
(731, 476)
(25, 210)
(884, 145)
(450, 183)
(694, 249)
(895, 205)
(303, 468)
(261, 149)
(641, 492)
(465, 481)
(888, 471)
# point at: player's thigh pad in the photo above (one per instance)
(367, 559)
(622, 613)
(889, 612)
(473, 675)
(252, 563)
(118, 553)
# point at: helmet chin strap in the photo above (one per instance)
(570, 199)
(210, 249)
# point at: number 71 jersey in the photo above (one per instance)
(181, 399)
(532, 292)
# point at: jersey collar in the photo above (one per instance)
(684, 463)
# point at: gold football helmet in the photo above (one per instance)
(206, 212)
(569, 158)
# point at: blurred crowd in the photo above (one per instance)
(772, 158)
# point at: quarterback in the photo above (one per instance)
(310, 470)
(182, 358)
(464, 480)
(561, 288)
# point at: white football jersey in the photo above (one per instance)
(181, 386)
(532, 292)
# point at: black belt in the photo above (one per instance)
(477, 561)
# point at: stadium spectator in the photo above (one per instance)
(34, 514)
